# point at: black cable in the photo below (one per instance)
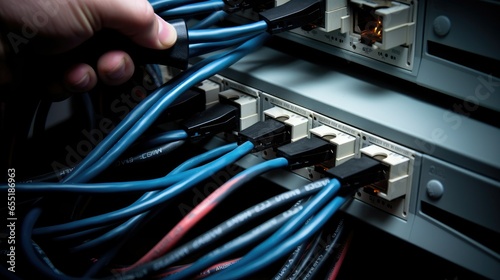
(324, 253)
(222, 229)
(244, 240)
(40, 118)
(290, 262)
(32, 256)
(308, 257)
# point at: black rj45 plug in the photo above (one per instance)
(292, 14)
(265, 134)
(358, 172)
(306, 152)
(216, 119)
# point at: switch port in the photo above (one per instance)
(397, 173)
(382, 24)
(345, 144)
(246, 104)
(297, 123)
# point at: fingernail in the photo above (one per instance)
(82, 83)
(119, 72)
(166, 33)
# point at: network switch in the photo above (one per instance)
(446, 180)
(447, 47)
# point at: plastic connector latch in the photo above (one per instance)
(216, 119)
(232, 6)
(358, 172)
(265, 134)
(306, 152)
(184, 106)
(292, 14)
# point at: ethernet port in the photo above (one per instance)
(396, 173)
(383, 24)
(368, 25)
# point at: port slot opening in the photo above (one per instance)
(367, 25)
(396, 173)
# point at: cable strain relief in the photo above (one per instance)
(291, 15)
(176, 56)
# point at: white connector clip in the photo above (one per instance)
(247, 105)
(398, 178)
(297, 123)
(345, 143)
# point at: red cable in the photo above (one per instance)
(190, 220)
(335, 271)
(207, 272)
(216, 268)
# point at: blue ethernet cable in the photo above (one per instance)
(217, 232)
(123, 228)
(131, 118)
(319, 200)
(28, 250)
(156, 75)
(289, 228)
(204, 157)
(238, 243)
(226, 33)
(210, 20)
(159, 198)
(165, 137)
(189, 168)
(106, 187)
(235, 182)
(247, 267)
(208, 47)
(161, 5)
(152, 114)
(116, 232)
(192, 9)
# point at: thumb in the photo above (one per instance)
(137, 20)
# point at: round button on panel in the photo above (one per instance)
(435, 189)
(441, 25)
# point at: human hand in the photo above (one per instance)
(57, 26)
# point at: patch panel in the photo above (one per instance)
(392, 197)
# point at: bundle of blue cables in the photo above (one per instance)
(223, 46)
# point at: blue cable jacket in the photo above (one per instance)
(159, 198)
(279, 250)
(204, 48)
(316, 203)
(106, 187)
(126, 226)
(166, 137)
(234, 245)
(192, 9)
(186, 169)
(150, 116)
(131, 118)
(112, 234)
(226, 33)
(27, 247)
(160, 5)
(205, 157)
(210, 20)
